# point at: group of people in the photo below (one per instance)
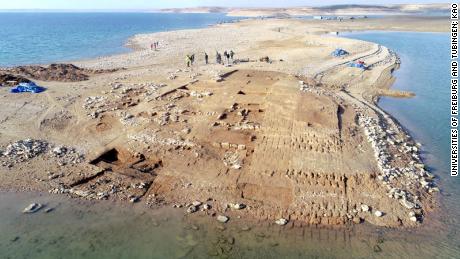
(228, 55)
(154, 45)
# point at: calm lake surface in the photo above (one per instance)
(83, 229)
(425, 70)
(37, 38)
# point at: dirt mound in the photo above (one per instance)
(12, 80)
(57, 72)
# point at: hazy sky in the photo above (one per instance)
(151, 4)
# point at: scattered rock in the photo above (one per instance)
(48, 210)
(377, 249)
(195, 227)
(237, 206)
(357, 220)
(134, 199)
(378, 213)
(192, 209)
(24, 150)
(197, 203)
(222, 219)
(32, 208)
(245, 228)
(364, 208)
(282, 222)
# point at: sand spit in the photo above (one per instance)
(295, 140)
(324, 10)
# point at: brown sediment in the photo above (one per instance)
(56, 72)
(11, 80)
(395, 93)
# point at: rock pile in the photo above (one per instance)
(56, 72)
(232, 160)
(67, 155)
(149, 138)
(128, 119)
(24, 150)
(413, 176)
(96, 103)
(12, 80)
(200, 95)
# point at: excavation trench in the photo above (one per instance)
(133, 168)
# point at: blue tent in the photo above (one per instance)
(30, 87)
(339, 52)
(358, 65)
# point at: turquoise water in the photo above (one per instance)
(425, 70)
(36, 38)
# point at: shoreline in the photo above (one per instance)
(136, 52)
(130, 45)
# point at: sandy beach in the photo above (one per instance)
(296, 140)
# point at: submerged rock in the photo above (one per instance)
(377, 249)
(32, 208)
(48, 210)
(134, 199)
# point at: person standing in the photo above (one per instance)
(226, 56)
(218, 58)
(192, 59)
(188, 60)
(206, 58)
(232, 54)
